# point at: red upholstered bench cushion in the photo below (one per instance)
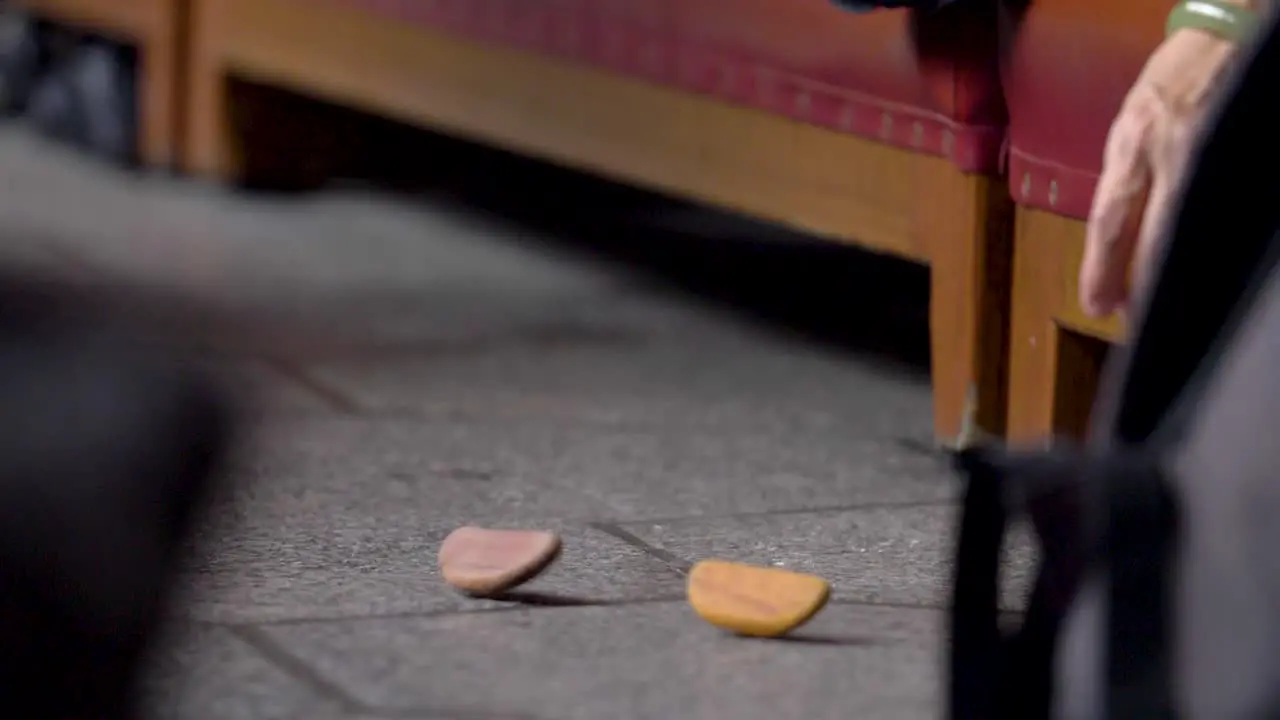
(806, 59)
(932, 88)
(1071, 65)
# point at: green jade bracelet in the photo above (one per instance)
(1227, 21)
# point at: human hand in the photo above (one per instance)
(1147, 152)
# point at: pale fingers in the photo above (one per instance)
(1116, 217)
(1172, 157)
(1155, 223)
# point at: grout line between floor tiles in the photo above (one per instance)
(925, 449)
(337, 400)
(260, 626)
(440, 713)
(676, 562)
(853, 507)
(296, 667)
(683, 567)
(507, 607)
(890, 604)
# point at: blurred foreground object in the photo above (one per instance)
(23, 59)
(112, 435)
(87, 100)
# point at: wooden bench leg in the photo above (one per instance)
(250, 134)
(160, 58)
(965, 227)
(210, 148)
(1053, 368)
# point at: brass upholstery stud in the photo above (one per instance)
(803, 103)
(846, 118)
(727, 80)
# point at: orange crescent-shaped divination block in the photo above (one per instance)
(483, 562)
(755, 601)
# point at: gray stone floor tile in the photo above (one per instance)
(207, 673)
(464, 318)
(674, 472)
(429, 469)
(346, 570)
(875, 554)
(649, 661)
(625, 379)
(620, 357)
(314, 471)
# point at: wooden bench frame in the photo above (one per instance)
(832, 184)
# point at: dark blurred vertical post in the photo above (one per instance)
(109, 439)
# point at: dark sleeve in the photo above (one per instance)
(861, 6)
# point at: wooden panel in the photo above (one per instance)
(1053, 371)
(132, 19)
(832, 184)
(1064, 238)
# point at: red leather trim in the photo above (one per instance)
(1047, 185)
(1071, 65)
(634, 39)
